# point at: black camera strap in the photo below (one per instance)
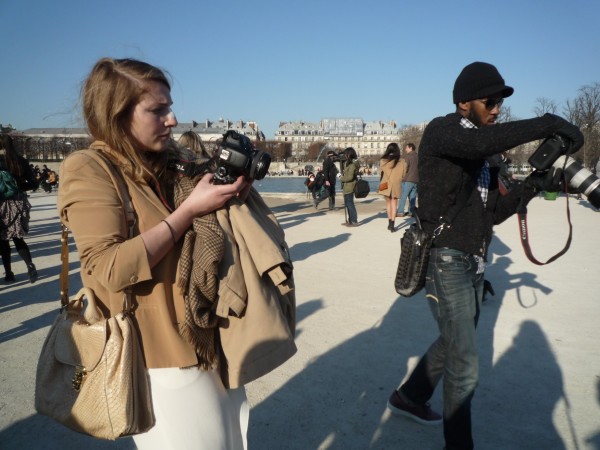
(524, 235)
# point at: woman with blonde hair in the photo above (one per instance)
(192, 141)
(392, 172)
(127, 108)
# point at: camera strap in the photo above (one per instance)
(524, 235)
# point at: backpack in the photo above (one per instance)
(8, 185)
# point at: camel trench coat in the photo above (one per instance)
(393, 176)
(90, 206)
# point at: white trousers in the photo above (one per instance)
(194, 411)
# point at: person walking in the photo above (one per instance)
(127, 109)
(15, 208)
(453, 168)
(409, 180)
(330, 171)
(392, 170)
(348, 179)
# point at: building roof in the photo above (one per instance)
(55, 131)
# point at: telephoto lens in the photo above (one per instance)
(580, 179)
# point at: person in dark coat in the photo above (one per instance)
(330, 171)
(455, 179)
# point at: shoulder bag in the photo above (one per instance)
(91, 375)
(414, 250)
(361, 188)
(414, 257)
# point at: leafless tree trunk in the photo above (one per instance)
(584, 111)
(411, 134)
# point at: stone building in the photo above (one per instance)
(368, 138)
(54, 144)
(211, 131)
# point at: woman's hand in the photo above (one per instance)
(207, 196)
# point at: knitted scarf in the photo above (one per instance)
(203, 249)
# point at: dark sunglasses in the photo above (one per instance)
(491, 103)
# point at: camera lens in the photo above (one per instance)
(261, 164)
(580, 178)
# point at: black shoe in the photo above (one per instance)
(32, 272)
(422, 414)
(9, 277)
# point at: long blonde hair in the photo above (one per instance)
(192, 140)
(109, 94)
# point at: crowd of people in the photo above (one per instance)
(454, 183)
(398, 181)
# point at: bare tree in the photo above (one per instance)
(544, 105)
(584, 111)
(505, 115)
(278, 150)
(312, 152)
(412, 133)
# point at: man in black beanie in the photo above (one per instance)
(459, 199)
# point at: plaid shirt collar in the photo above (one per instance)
(466, 123)
(483, 181)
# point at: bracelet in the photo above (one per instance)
(172, 231)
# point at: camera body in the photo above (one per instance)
(547, 153)
(237, 156)
(336, 157)
(553, 152)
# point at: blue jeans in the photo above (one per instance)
(409, 191)
(454, 293)
(349, 204)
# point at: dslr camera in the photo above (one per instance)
(237, 156)
(553, 152)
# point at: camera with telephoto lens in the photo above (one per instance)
(237, 156)
(553, 152)
(336, 157)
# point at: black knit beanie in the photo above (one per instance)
(479, 80)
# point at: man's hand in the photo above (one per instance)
(550, 180)
(571, 133)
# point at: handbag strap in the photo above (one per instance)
(64, 239)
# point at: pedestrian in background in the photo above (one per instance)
(391, 167)
(192, 141)
(330, 171)
(348, 179)
(14, 209)
(409, 180)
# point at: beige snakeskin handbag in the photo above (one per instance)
(91, 375)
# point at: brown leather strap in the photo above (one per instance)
(64, 273)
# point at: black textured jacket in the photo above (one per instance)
(450, 159)
(330, 170)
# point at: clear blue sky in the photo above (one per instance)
(277, 60)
